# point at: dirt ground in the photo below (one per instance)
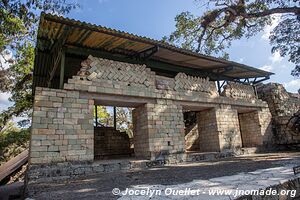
(100, 186)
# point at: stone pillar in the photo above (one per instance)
(208, 131)
(250, 129)
(167, 128)
(218, 129)
(228, 128)
(265, 123)
(256, 128)
(159, 130)
(62, 127)
(141, 132)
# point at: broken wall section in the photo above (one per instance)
(283, 105)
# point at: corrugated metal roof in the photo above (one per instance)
(91, 36)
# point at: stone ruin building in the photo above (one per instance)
(186, 106)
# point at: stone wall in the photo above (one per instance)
(62, 127)
(98, 68)
(63, 119)
(192, 138)
(238, 91)
(158, 130)
(218, 130)
(281, 103)
(141, 132)
(184, 82)
(110, 142)
(282, 107)
(208, 133)
(250, 129)
(228, 128)
(166, 128)
(265, 123)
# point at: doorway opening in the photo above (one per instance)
(113, 129)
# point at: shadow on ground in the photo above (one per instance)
(99, 186)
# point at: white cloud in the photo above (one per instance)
(268, 29)
(4, 57)
(293, 85)
(275, 57)
(4, 97)
(4, 103)
(241, 60)
(266, 68)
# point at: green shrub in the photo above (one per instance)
(13, 140)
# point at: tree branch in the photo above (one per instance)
(295, 10)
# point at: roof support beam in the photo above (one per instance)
(222, 70)
(146, 54)
(261, 80)
(56, 54)
(152, 63)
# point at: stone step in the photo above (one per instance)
(207, 156)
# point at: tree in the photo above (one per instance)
(13, 140)
(103, 116)
(124, 120)
(18, 21)
(228, 20)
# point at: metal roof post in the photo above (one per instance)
(62, 70)
(219, 87)
(115, 117)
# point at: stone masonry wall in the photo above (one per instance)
(281, 103)
(67, 121)
(110, 142)
(256, 129)
(62, 127)
(120, 80)
(282, 107)
(228, 128)
(208, 133)
(158, 130)
(238, 91)
(166, 128)
(265, 123)
(192, 138)
(250, 129)
(141, 132)
(106, 76)
(62, 137)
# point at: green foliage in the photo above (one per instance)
(124, 120)
(227, 20)
(285, 38)
(13, 141)
(123, 117)
(19, 20)
(20, 85)
(103, 117)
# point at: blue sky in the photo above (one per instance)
(155, 19)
